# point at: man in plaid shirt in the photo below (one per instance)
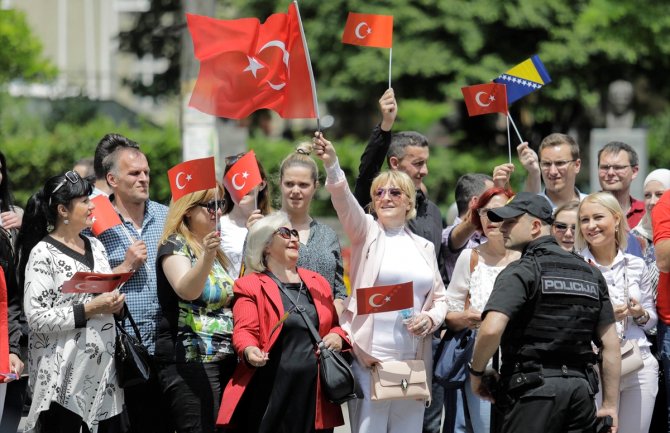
(132, 247)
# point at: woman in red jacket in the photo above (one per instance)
(276, 387)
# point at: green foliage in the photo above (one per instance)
(34, 152)
(20, 56)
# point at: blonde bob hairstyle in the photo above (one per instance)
(399, 180)
(176, 222)
(606, 200)
(259, 237)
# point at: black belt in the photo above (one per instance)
(563, 371)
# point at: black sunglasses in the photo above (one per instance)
(561, 227)
(286, 233)
(70, 176)
(213, 205)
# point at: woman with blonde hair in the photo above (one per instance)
(319, 246)
(385, 252)
(195, 292)
(602, 238)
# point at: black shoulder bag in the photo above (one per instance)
(131, 356)
(335, 372)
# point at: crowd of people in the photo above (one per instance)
(555, 286)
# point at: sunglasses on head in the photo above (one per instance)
(286, 233)
(393, 192)
(213, 205)
(70, 176)
(561, 227)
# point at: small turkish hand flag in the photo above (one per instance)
(381, 299)
(368, 30)
(242, 177)
(91, 282)
(104, 215)
(191, 176)
(485, 98)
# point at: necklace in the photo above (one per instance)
(297, 300)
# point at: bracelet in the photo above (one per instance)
(473, 371)
(641, 320)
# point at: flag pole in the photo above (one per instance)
(309, 67)
(390, 58)
(509, 116)
(509, 141)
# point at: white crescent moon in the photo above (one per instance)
(281, 46)
(479, 102)
(372, 298)
(176, 181)
(235, 185)
(86, 286)
(357, 31)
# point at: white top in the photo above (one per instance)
(401, 263)
(479, 284)
(627, 267)
(73, 367)
(232, 244)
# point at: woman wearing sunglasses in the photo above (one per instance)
(602, 236)
(385, 252)
(319, 246)
(565, 225)
(275, 387)
(236, 215)
(73, 373)
(195, 292)
(471, 285)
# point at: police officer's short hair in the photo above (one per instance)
(400, 141)
(609, 202)
(617, 146)
(556, 139)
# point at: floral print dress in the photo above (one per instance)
(71, 366)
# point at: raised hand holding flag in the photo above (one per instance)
(191, 176)
(242, 177)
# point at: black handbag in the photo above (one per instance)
(335, 372)
(132, 358)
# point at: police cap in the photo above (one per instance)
(523, 202)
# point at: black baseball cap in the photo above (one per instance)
(523, 202)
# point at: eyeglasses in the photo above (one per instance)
(617, 168)
(213, 205)
(230, 160)
(394, 193)
(70, 176)
(562, 227)
(560, 165)
(483, 211)
(286, 233)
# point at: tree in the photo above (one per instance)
(21, 53)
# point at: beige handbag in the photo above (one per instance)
(631, 358)
(399, 380)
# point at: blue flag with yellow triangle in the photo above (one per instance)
(526, 77)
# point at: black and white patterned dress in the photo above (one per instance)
(71, 366)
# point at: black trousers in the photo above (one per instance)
(147, 406)
(560, 405)
(57, 419)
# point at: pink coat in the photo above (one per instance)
(368, 238)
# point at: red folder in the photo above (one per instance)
(91, 282)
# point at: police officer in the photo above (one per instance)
(544, 312)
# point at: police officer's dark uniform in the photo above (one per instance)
(556, 302)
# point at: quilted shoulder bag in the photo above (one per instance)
(131, 356)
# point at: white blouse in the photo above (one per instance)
(73, 367)
(631, 269)
(478, 285)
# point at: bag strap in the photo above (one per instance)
(120, 323)
(310, 326)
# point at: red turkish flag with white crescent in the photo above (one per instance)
(191, 176)
(485, 98)
(92, 282)
(242, 177)
(104, 215)
(380, 299)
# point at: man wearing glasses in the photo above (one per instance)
(617, 167)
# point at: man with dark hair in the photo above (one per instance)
(132, 247)
(617, 167)
(407, 152)
(544, 312)
(102, 161)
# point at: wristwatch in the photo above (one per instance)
(473, 371)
